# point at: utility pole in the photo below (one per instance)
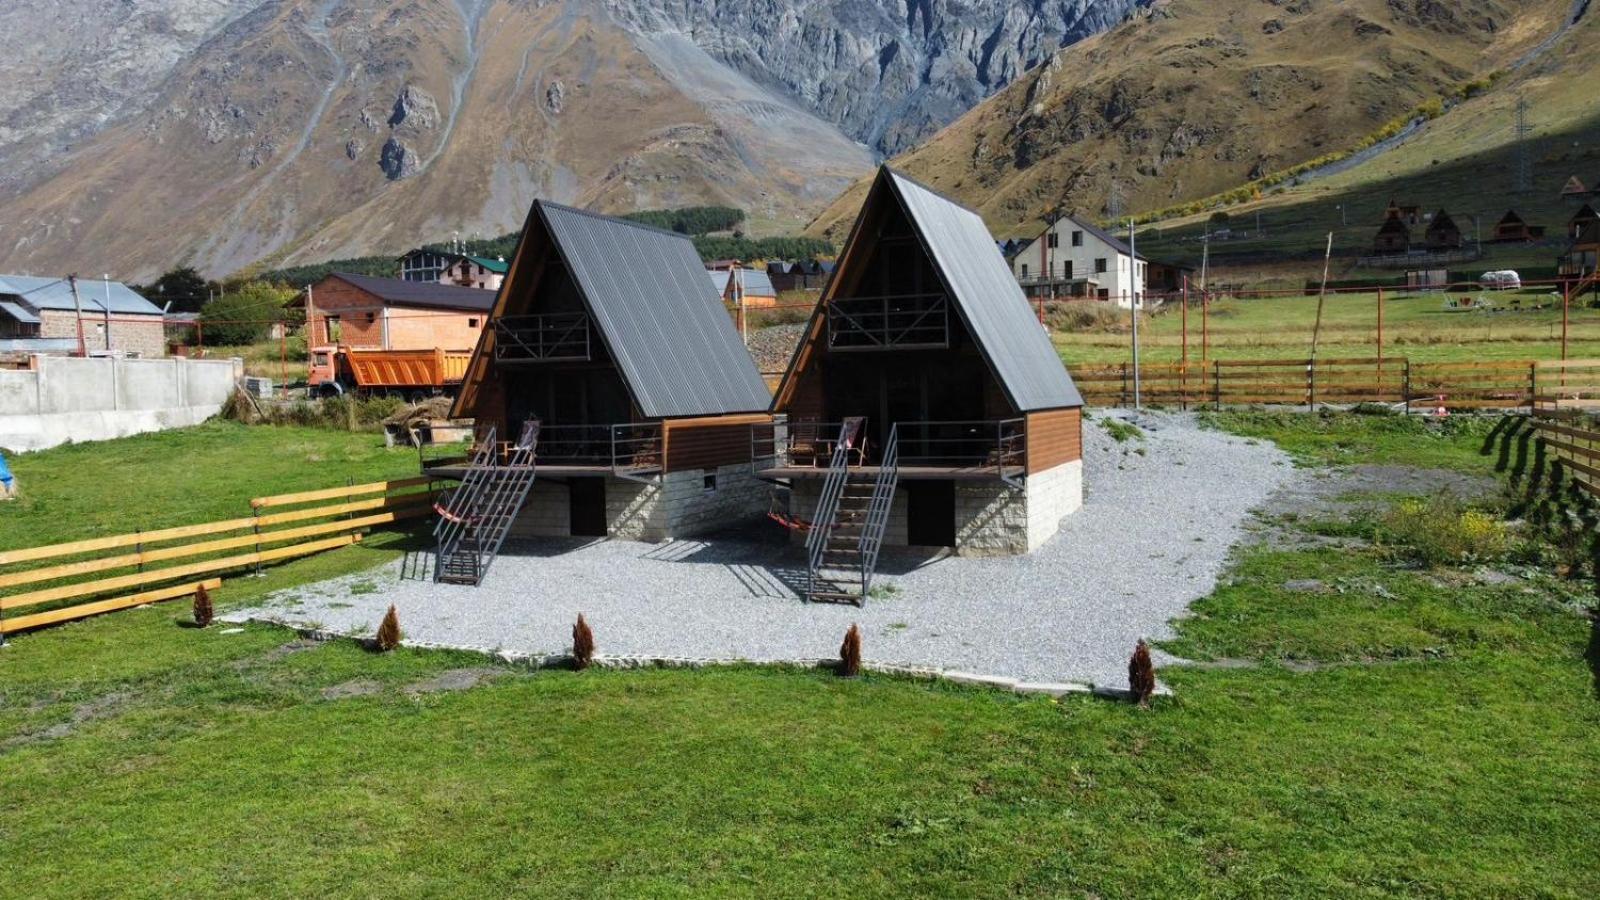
(1133, 278)
(77, 304)
(106, 278)
(1524, 172)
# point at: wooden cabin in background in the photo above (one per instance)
(1512, 228)
(609, 335)
(1393, 238)
(1583, 244)
(927, 375)
(1442, 233)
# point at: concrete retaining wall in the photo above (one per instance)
(66, 399)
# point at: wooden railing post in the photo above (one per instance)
(1216, 381)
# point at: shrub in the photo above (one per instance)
(850, 653)
(388, 631)
(245, 315)
(582, 644)
(1141, 674)
(1440, 530)
(203, 612)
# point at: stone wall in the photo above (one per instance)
(677, 506)
(143, 336)
(70, 399)
(992, 518)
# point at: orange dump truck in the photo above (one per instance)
(413, 374)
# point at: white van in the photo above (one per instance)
(1501, 280)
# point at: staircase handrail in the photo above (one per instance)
(877, 522)
(832, 489)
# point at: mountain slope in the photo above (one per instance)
(1193, 97)
(226, 133)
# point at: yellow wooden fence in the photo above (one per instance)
(128, 567)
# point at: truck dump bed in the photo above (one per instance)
(408, 368)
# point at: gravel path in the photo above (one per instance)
(1159, 517)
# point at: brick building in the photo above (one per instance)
(364, 312)
(41, 315)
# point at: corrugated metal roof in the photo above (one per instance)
(659, 315)
(756, 284)
(55, 293)
(990, 301)
(18, 312)
(498, 266)
(429, 294)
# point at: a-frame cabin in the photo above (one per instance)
(611, 381)
(925, 405)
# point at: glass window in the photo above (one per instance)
(1077, 239)
(1100, 264)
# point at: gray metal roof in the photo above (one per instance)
(18, 312)
(427, 294)
(990, 301)
(756, 283)
(647, 289)
(55, 293)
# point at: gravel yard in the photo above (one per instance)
(1160, 514)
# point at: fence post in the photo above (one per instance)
(1216, 381)
(1405, 387)
(1533, 385)
(1311, 384)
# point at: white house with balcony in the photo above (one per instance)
(1073, 258)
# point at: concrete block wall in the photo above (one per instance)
(70, 399)
(547, 513)
(992, 518)
(739, 497)
(1053, 495)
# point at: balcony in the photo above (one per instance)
(971, 450)
(552, 337)
(631, 450)
(898, 322)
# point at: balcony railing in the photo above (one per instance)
(551, 337)
(628, 449)
(1000, 445)
(899, 322)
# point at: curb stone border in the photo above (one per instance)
(1052, 689)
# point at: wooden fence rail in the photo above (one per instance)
(1490, 384)
(79, 570)
(1573, 439)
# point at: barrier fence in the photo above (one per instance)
(1524, 384)
(122, 571)
(1572, 437)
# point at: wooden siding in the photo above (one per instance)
(1055, 436)
(709, 442)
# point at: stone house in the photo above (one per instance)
(642, 390)
(42, 315)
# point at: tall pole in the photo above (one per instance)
(1133, 307)
(1380, 340)
(77, 305)
(1322, 295)
(106, 277)
(1566, 305)
(1185, 355)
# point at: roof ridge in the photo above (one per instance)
(551, 204)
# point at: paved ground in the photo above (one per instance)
(1160, 514)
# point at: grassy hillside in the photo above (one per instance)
(1195, 98)
(1463, 161)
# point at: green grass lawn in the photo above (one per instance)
(1415, 327)
(1414, 733)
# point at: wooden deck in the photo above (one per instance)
(907, 473)
(458, 471)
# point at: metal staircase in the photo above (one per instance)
(475, 519)
(851, 517)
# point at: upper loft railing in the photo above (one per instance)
(550, 337)
(1000, 445)
(896, 322)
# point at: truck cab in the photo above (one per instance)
(323, 376)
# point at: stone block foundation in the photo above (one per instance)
(681, 504)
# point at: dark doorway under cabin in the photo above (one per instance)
(930, 513)
(587, 499)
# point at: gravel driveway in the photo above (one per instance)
(1159, 517)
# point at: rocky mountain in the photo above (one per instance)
(224, 133)
(1188, 98)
